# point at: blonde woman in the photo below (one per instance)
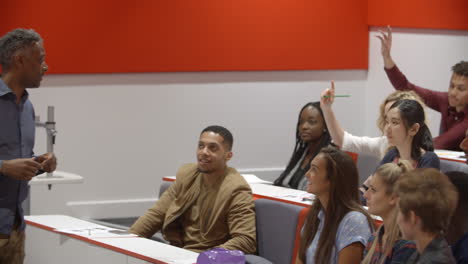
(386, 246)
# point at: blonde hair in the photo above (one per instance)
(393, 97)
(389, 173)
(430, 195)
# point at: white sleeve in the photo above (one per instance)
(375, 146)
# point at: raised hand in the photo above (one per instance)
(327, 97)
(20, 169)
(386, 47)
(326, 100)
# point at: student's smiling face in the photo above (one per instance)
(458, 92)
(318, 182)
(212, 153)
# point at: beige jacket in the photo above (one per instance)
(230, 223)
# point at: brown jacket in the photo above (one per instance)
(230, 223)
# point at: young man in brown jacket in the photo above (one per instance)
(209, 205)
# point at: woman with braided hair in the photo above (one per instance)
(311, 136)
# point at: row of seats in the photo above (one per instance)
(279, 224)
(279, 227)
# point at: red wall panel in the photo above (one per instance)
(434, 14)
(104, 36)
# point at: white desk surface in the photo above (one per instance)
(58, 177)
(266, 190)
(59, 221)
(146, 247)
(458, 156)
(142, 248)
(281, 194)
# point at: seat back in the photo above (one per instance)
(163, 187)
(366, 165)
(353, 155)
(279, 227)
(448, 165)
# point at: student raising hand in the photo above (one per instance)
(327, 97)
(386, 46)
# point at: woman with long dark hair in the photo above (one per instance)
(373, 146)
(407, 131)
(337, 227)
(311, 135)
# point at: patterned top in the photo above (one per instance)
(400, 253)
(353, 228)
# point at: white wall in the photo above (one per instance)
(123, 132)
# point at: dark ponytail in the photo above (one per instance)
(423, 139)
(411, 113)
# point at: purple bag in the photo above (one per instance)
(221, 256)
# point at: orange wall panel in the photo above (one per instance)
(105, 36)
(434, 14)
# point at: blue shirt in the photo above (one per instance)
(353, 228)
(17, 131)
(428, 160)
